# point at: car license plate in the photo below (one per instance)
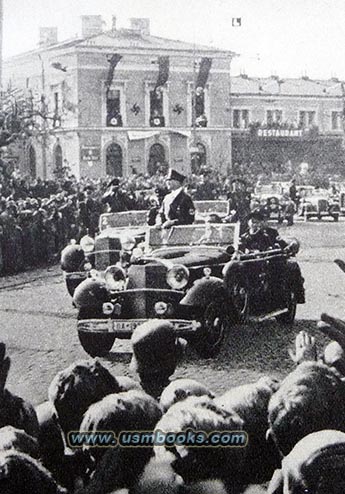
(125, 326)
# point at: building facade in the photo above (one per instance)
(124, 101)
(280, 123)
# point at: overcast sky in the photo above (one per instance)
(282, 37)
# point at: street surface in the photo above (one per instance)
(38, 323)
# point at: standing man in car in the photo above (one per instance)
(238, 203)
(177, 207)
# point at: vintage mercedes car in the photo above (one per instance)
(274, 202)
(205, 209)
(195, 277)
(318, 204)
(118, 233)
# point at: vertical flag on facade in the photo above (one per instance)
(204, 70)
(113, 61)
(163, 73)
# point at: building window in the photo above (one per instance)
(240, 119)
(274, 117)
(157, 108)
(336, 120)
(307, 119)
(113, 108)
(198, 105)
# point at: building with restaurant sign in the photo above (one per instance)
(123, 100)
(276, 122)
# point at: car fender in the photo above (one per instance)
(203, 290)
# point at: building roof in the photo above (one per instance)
(273, 85)
(128, 39)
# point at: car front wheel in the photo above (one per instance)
(209, 338)
(289, 316)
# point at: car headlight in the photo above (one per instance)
(177, 277)
(115, 278)
(127, 243)
(87, 243)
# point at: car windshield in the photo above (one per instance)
(126, 218)
(271, 189)
(203, 207)
(219, 234)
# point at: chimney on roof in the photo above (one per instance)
(48, 36)
(141, 25)
(113, 23)
(91, 25)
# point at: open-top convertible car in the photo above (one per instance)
(205, 209)
(318, 205)
(118, 233)
(195, 277)
(274, 202)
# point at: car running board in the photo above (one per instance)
(275, 313)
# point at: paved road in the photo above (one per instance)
(38, 323)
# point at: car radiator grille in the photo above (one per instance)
(107, 252)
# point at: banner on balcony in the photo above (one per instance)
(113, 61)
(204, 70)
(163, 74)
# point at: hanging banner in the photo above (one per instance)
(141, 134)
(163, 74)
(204, 70)
(113, 61)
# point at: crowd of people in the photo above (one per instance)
(294, 428)
(38, 218)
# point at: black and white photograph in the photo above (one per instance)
(172, 247)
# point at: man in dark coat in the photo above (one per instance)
(238, 203)
(115, 198)
(260, 236)
(177, 207)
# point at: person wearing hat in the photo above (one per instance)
(177, 207)
(156, 352)
(260, 237)
(238, 203)
(116, 200)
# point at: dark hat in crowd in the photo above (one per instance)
(174, 175)
(155, 347)
(89, 188)
(257, 215)
(115, 182)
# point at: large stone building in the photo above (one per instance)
(123, 100)
(277, 122)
